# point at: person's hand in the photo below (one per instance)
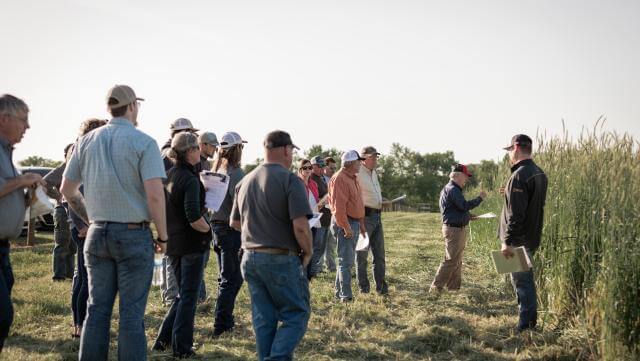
(31, 180)
(502, 190)
(348, 233)
(160, 247)
(473, 217)
(82, 232)
(507, 251)
(483, 194)
(306, 259)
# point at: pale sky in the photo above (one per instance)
(432, 75)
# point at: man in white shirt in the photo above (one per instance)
(372, 198)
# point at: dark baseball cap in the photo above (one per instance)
(519, 139)
(318, 160)
(462, 169)
(369, 151)
(278, 138)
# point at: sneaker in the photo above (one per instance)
(346, 300)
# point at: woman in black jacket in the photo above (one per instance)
(189, 237)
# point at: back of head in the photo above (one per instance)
(91, 124)
(180, 145)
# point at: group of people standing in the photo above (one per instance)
(116, 181)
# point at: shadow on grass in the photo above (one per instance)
(66, 348)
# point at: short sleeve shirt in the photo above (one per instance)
(266, 202)
(235, 176)
(12, 205)
(112, 163)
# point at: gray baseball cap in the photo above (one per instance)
(182, 124)
(208, 138)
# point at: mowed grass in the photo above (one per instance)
(409, 324)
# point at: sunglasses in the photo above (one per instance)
(307, 167)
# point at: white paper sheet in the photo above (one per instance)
(217, 185)
(315, 220)
(487, 215)
(363, 242)
(42, 204)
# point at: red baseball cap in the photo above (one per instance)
(462, 169)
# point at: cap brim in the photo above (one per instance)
(508, 147)
(295, 146)
(142, 99)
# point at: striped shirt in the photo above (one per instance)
(112, 163)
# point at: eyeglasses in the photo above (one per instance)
(307, 167)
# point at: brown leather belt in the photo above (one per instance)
(139, 225)
(269, 250)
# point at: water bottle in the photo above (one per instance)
(157, 270)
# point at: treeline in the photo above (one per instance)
(420, 176)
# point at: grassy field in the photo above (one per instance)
(475, 323)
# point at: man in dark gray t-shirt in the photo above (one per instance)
(271, 210)
(271, 197)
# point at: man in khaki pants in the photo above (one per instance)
(455, 218)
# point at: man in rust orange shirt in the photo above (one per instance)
(347, 207)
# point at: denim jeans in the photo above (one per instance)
(169, 285)
(80, 286)
(279, 302)
(119, 261)
(6, 283)
(202, 295)
(525, 288)
(319, 246)
(177, 326)
(64, 249)
(330, 251)
(373, 223)
(227, 245)
(346, 257)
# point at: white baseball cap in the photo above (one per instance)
(182, 124)
(229, 139)
(350, 155)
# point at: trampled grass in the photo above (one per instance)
(409, 324)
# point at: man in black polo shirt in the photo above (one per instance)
(455, 218)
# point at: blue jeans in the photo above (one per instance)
(177, 326)
(525, 288)
(346, 257)
(169, 285)
(6, 283)
(373, 224)
(202, 295)
(64, 249)
(227, 245)
(279, 293)
(119, 261)
(330, 251)
(319, 246)
(80, 285)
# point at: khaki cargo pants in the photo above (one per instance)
(450, 271)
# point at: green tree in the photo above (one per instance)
(37, 161)
(251, 166)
